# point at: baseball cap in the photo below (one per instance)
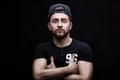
(59, 8)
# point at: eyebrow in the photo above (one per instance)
(61, 19)
(55, 19)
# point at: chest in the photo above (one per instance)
(62, 56)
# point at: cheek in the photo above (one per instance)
(51, 27)
(68, 27)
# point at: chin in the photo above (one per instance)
(60, 36)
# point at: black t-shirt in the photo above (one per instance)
(62, 55)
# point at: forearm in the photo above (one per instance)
(85, 72)
(76, 77)
(55, 74)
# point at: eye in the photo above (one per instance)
(54, 21)
(64, 21)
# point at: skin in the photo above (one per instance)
(60, 26)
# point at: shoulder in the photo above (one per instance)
(43, 44)
(80, 43)
(85, 50)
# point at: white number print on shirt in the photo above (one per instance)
(68, 57)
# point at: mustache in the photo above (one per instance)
(59, 30)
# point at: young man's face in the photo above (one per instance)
(60, 25)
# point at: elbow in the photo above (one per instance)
(83, 77)
(37, 76)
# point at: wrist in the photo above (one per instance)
(68, 68)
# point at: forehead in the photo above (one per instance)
(59, 16)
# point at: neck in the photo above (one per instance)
(62, 42)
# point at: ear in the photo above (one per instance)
(49, 26)
(71, 24)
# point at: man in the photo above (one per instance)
(64, 58)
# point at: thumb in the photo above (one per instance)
(52, 59)
(72, 57)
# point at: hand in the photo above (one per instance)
(72, 65)
(51, 65)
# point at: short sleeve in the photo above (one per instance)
(85, 53)
(39, 52)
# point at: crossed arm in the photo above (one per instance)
(81, 71)
(85, 71)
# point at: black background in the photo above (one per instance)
(95, 22)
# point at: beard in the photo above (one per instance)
(60, 34)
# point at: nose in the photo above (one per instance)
(59, 24)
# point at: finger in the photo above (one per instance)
(52, 59)
(72, 57)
